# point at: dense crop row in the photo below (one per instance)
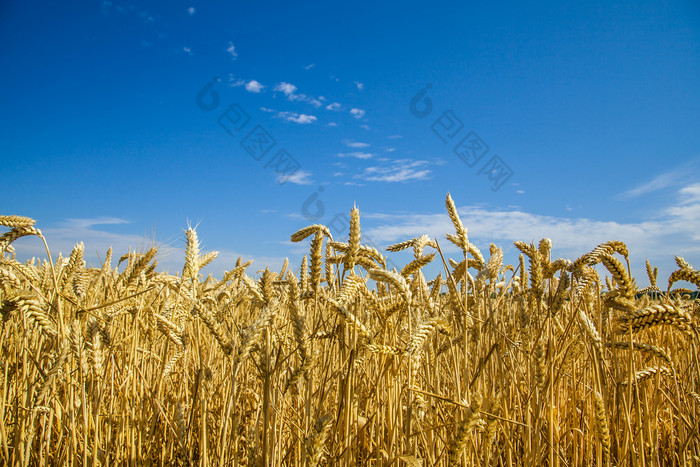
(342, 361)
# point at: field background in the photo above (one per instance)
(545, 362)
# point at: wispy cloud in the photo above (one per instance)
(290, 116)
(91, 222)
(300, 177)
(334, 106)
(357, 113)
(356, 155)
(187, 50)
(355, 144)
(394, 137)
(235, 82)
(232, 50)
(254, 86)
(296, 117)
(396, 171)
(290, 91)
(191, 11)
(359, 85)
(678, 176)
(309, 66)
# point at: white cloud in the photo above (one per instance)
(191, 11)
(356, 155)
(390, 149)
(357, 113)
(300, 177)
(290, 116)
(355, 144)
(332, 124)
(359, 85)
(254, 86)
(62, 238)
(673, 232)
(333, 106)
(235, 82)
(678, 176)
(660, 182)
(364, 127)
(394, 137)
(91, 222)
(296, 117)
(520, 192)
(290, 91)
(691, 193)
(287, 88)
(309, 66)
(187, 50)
(397, 171)
(97, 240)
(232, 50)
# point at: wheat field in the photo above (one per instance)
(343, 362)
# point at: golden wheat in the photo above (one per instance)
(344, 361)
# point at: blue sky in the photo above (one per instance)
(123, 121)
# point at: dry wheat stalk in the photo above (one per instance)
(601, 424)
(301, 234)
(17, 232)
(394, 279)
(685, 274)
(619, 273)
(316, 442)
(417, 264)
(16, 221)
(420, 335)
(656, 315)
(642, 375)
(648, 348)
(471, 422)
(215, 328)
(589, 327)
